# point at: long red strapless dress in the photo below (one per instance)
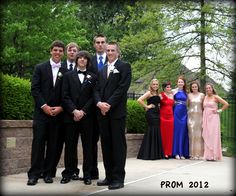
(167, 123)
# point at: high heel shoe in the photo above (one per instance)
(177, 157)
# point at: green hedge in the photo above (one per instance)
(17, 104)
(135, 122)
(16, 100)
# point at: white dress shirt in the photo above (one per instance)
(81, 76)
(55, 68)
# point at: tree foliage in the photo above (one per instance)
(155, 36)
(106, 17)
(144, 45)
(28, 29)
(202, 30)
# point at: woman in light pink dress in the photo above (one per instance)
(211, 124)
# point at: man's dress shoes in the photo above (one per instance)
(115, 185)
(32, 181)
(104, 182)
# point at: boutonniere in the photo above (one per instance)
(88, 78)
(59, 75)
(114, 71)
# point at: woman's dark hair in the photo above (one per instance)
(84, 54)
(165, 84)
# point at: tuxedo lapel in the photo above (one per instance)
(116, 65)
(95, 63)
(60, 74)
(104, 72)
(64, 65)
(49, 72)
(76, 79)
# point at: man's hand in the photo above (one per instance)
(104, 107)
(56, 110)
(78, 115)
(47, 110)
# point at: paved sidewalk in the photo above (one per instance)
(160, 177)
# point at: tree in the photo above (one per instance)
(106, 17)
(28, 29)
(202, 30)
(144, 46)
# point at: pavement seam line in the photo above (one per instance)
(154, 175)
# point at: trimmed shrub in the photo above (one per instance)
(16, 100)
(135, 122)
(17, 104)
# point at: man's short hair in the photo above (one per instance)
(99, 35)
(72, 44)
(57, 43)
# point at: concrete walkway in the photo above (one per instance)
(160, 177)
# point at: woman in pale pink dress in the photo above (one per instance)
(211, 124)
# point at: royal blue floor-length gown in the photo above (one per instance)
(181, 139)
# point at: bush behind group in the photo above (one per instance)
(17, 104)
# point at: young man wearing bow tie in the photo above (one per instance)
(77, 102)
(46, 90)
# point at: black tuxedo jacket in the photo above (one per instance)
(113, 89)
(64, 65)
(43, 91)
(76, 95)
(94, 65)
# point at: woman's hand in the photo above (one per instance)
(149, 106)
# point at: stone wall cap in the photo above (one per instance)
(134, 136)
(15, 123)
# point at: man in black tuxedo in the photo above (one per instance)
(78, 86)
(110, 97)
(46, 90)
(72, 50)
(97, 63)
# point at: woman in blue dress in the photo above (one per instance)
(181, 139)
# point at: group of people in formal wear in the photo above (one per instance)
(85, 96)
(181, 124)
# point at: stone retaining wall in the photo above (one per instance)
(16, 140)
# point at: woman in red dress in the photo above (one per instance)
(167, 118)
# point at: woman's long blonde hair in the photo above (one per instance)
(150, 86)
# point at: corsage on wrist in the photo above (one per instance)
(219, 111)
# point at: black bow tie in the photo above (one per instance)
(82, 72)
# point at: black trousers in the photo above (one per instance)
(114, 148)
(61, 141)
(44, 147)
(95, 139)
(72, 132)
(70, 151)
